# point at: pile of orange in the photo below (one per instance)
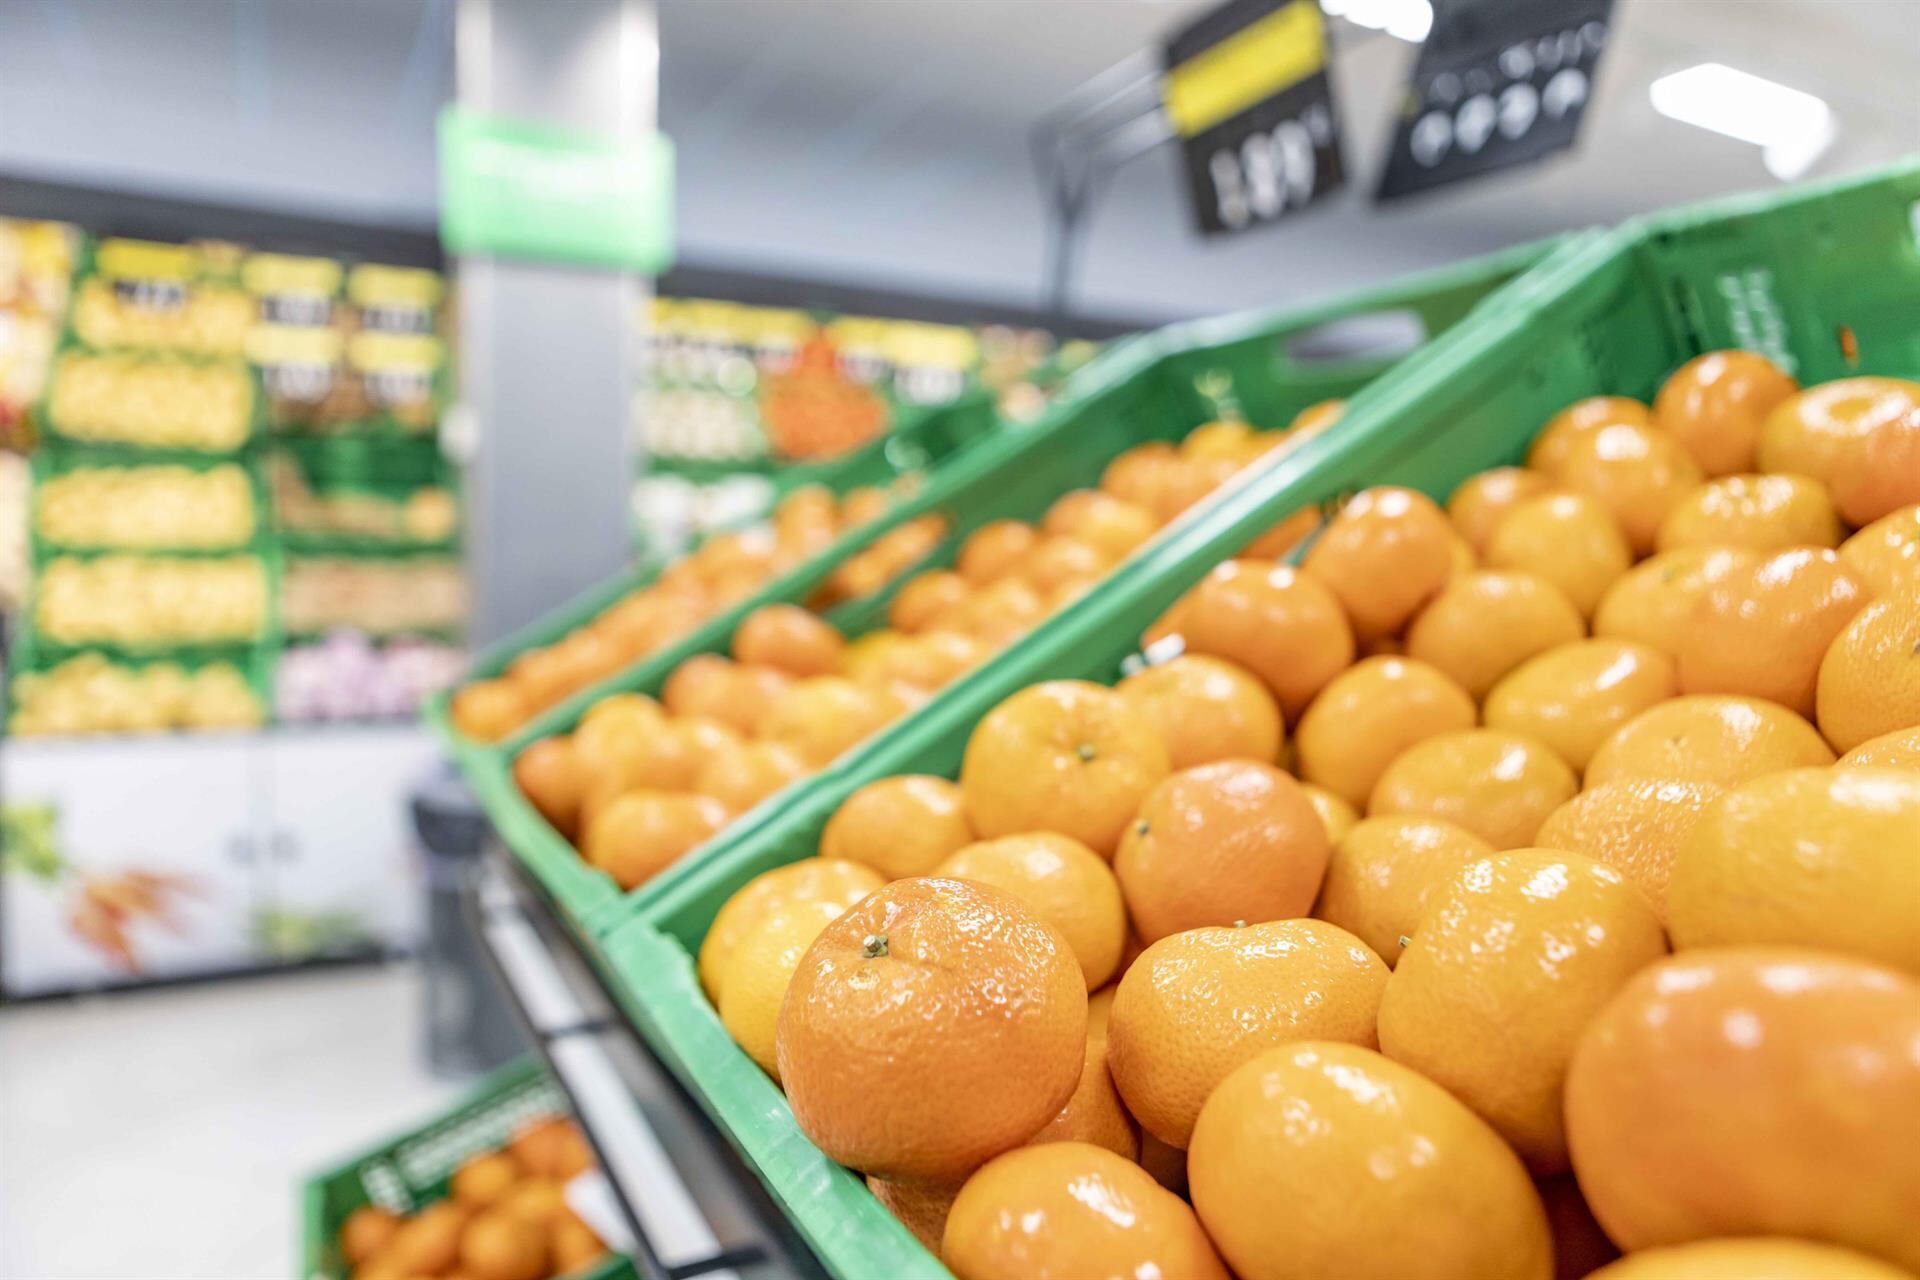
(505, 1217)
(1510, 886)
(641, 782)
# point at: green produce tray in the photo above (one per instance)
(412, 1169)
(1607, 314)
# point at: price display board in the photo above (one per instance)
(1246, 90)
(1498, 83)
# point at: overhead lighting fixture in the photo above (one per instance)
(1408, 20)
(1793, 129)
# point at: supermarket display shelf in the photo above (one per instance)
(694, 1206)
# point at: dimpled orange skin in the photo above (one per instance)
(1094, 1113)
(1891, 750)
(934, 1025)
(1482, 500)
(1232, 840)
(1752, 1091)
(922, 1208)
(1515, 954)
(1549, 448)
(1811, 433)
(1708, 738)
(1634, 825)
(1762, 631)
(790, 639)
(1881, 471)
(1383, 872)
(1322, 1159)
(1283, 626)
(1869, 681)
(742, 777)
(1652, 601)
(639, 834)
(1063, 882)
(1762, 513)
(1484, 624)
(900, 826)
(1886, 552)
(1574, 697)
(1199, 1004)
(1826, 858)
(1569, 539)
(1498, 785)
(808, 880)
(1755, 1259)
(1072, 1211)
(1715, 405)
(1637, 473)
(1206, 709)
(1368, 715)
(1065, 755)
(1384, 556)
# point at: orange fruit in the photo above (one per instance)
(1899, 750)
(1652, 601)
(1569, 539)
(639, 834)
(1186, 482)
(552, 1148)
(1499, 785)
(1278, 542)
(901, 826)
(1326, 1159)
(1550, 447)
(790, 639)
(484, 1179)
(1635, 472)
(735, 694)
(1764, 513)
(500, 1246)
(1066, 756)
(1198, 1004)
(928, 661)
(428, 1243)
(1100, 520)
(740, 777)
(861, 505)
(824, 880)
(997, 613)
(1705, 738)
(489, 710)
(1055, 561)
(1482, 500)
(1634, 825)
(1715, 405)
(921, 1207)
(1886, 552)
(1869, 682)
(1811, 433)
(1283, 626)
(574, 1246)
(1094, 1113)
(548, 773)
(1068, 1210)
(1336, 815)
(1232, 841)
(1514, 955)
(1383, 872)
(1063, 882)
(1770, 1259)
(822, 716)
(367, 1231)
(925, 597)
(1222, 439)
(1316, 417)
(1574, 697)
(1580, 1247)
(1762, 1086)
(1206, 709)
(1484, 624)
(1368, 715)
(934, 1025)
(1139, 475)
(753, 980)
(1385, 555)
(537, 1198)
(994, 550)
(541, 677)
(1806, 857)
(1762, 631)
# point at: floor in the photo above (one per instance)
(164, 1134)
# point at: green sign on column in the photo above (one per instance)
(516, 190)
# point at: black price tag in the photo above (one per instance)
(1247, 91)
(1498, 83)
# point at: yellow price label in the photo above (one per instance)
(1251, 65)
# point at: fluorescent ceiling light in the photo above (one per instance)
(1793, 127)
(1404, 19)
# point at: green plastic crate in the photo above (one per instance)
(412, 1170)
(1608, 314)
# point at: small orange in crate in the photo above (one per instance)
(901, 826)
(1812, 432)
(549, 774)
(790, 639)
(488, 710)
(1100, 520)
(1886, 552)
(1637, 473)
(1384, 556)
(1383, 871)
(1708, 738)
(1765, 513)
(1549, 448)
(1501, 786)
(638, 834)
(820, 717)
(1206, 709)
(741, 776)
(995, 550)
(1716, 404)
(1569, 539)
(1481, 501)
(1370, 713)
(1652, 601)
(1635, 825)
(826, 880)
(1762, 631)
(1063, 882)
(815, 411)
(1282, 625)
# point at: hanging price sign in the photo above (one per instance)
(1246, 89)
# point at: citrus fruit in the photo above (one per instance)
(1198, 1004)
(808, 880)
(1514, 955)
(934, 1025)
(1065, 755)
(1497, 784)
(1708, 738)
(1383, 872)
(925, 597)
(1715, 405)
(1222, 439)
(754, 981)
(1810, 433)
(1094, 1113)
(993, 550)
(1057, 560)
(1899, 750)
(1327, 1159)
(1101, 521)
(1283, 626)
(1316, 417)
(1206, 709)
(488, 710)
(548, 773)
(1139, 475)
(484, 1179)
(900, 826)
(1880, 471)
(1336, 815)
(1549, 448)
(552, 1148)
(429, 1242)
(734, 694)
(573, 1244)
(1757, 1259)
(790, 639)
(1580, 1247)
(921, 1207)
(1278, 542)
(1886, 552)
(499, 1246)
(1481, 500)
(1574, 697)
(1067, 1211)
(1762, 513)
(1635, 472)
(1869, 681)
(1752, 1091)
(1761, 631)
(536, 1198)
(822, 716)
(664, 754)
(1235, 840)
(1634, 825)
(367, 1231)
(1652, 601)
(1569, 539)
(1063, 882)
(1826, 858)
(1484, 624)
(740, 777)
(638, 834)
(1368, 715)
(1384, 556)
(998, 613)
(926, 661)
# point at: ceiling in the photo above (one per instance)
(886, 141)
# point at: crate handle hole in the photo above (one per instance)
(1378, 335)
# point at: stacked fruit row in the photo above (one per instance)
(1621, 957)
(151, 508)
(91, 693)
(146, 601)
(152, 401)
